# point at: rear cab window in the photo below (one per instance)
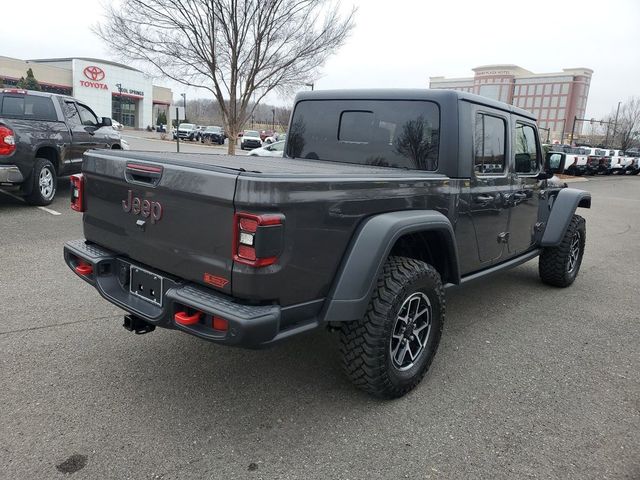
(385, 133)
(29, 107)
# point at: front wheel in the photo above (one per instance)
(559, 266)
(387, 352)
(44, 183)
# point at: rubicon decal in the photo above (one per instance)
(146, 208)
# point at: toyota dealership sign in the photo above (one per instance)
(95, 75)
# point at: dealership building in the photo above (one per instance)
(554, 98)
(110, 89)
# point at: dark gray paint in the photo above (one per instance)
(565, 204)
(59, 141)
(356, 279)
(340, 220)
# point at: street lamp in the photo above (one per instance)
(119, 85)
(309, 85)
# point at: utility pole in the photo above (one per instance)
(273, 121)
(119, 85)
(615, 126)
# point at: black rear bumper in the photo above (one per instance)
(249, 326)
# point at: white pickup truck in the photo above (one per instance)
(576, 159)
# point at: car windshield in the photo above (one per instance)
(213, 129)
(186, 126)
(251, 133)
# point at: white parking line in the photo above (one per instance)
(48, 210)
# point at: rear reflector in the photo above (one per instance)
(219, 323)
(183, 318)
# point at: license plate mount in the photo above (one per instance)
(146, 285)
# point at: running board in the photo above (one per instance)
(514, 262)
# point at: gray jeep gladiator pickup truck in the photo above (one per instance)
(382, 199)
(42, 137)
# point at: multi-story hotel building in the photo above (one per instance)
(554, 98)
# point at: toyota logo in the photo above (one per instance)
(94, 73)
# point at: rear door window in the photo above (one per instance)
(71, 113)
(527, 158)
(385, 133)
(489, 145)
(31, 107)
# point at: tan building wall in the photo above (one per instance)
(14, 68)
(554, 98)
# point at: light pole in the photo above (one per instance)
(119, 85)
(615, 126)
(273, 119)
(309, 85)
(184, 104)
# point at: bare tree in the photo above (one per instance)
(627, 129)
(239, 50)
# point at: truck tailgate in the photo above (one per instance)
(173, 214)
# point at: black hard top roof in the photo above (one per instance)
(438, 95)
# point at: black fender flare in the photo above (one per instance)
(564, 206)
(356, 279)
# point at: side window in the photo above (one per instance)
(39, 108)
(278, 147)
(526, 149)
(71, 113)
(489, 145)
(87, 116)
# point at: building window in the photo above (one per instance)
(544, 113)
(547, 89)
(529, 102)
(565, 88)
(545, 101)
(538, 89)
(554, 101)
(537, 101)
(561, 113)
(563, 101)
(489, 145)
(556, 89)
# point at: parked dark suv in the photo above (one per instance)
(42, 137)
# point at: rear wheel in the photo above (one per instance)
(559, 266)
(44, 183)
(389, 351)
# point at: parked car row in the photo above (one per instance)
(200, 133)
(598, 161)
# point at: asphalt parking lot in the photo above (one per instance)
(529, 382)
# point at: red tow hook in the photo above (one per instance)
(84, 268)
(183, 318)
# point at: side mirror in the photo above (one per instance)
(554, 162)
(106, 122)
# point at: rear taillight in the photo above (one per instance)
(7, 141)
(77, 192)
(257, 239)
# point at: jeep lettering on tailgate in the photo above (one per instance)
(142, 207)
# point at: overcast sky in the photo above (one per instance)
(401, 43)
